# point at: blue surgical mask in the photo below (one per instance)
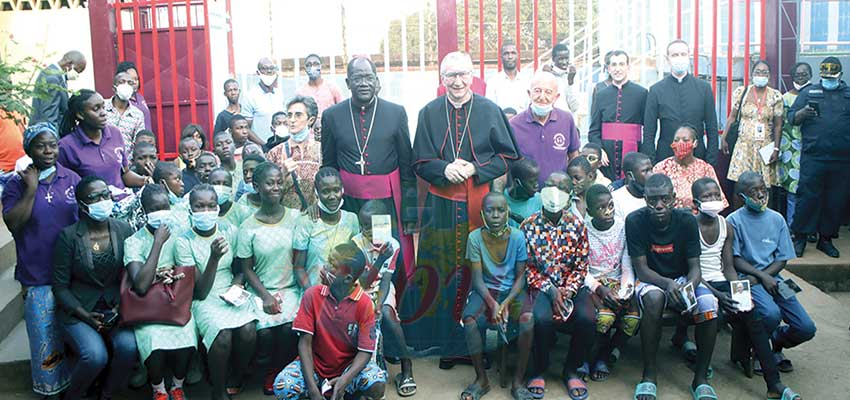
(753, 205)
(540, 111)
(829, 83)
(314, 72)
(223, 193)
(101, 210)
(44, 174)
(760, 81)
(248, 187)
(159, 218)
(680, 65)
(301, 136)
(204, 220)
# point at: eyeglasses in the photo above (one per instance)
(98, 196)
(761, 72)
(451, 76)
(295, 115)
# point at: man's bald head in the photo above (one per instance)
(359, 62)
(75, 58)
(543, 79)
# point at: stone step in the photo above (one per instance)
(11, 302)
(14, 360)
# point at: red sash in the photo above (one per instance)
(371, 187)
(629, 135)
(467, 192)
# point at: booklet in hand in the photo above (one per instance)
(381, 229)
(235, 296)
(741, 294)
(689, 296)
(788, 288)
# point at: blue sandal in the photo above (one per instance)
(646, 389)
(787, 394)
(704, 392)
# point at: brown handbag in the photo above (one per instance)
(168, 301)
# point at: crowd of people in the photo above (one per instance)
(308, 238)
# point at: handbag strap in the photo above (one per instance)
(741, 105)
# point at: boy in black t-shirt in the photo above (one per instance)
(664, 246)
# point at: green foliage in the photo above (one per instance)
(18, 85)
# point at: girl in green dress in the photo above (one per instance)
(264, 253)
(229, 332)
(233, 213)
(147, 253)
(315, 237)
(247, 194)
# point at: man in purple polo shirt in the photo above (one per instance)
(545, 133)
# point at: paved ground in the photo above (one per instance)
(821, 366)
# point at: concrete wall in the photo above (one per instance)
(46, 35)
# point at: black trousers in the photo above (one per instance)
(581, 326)
(823, 195)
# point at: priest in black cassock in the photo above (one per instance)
(616, 115)
(367, 139)
(463, 142)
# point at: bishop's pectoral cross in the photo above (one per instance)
(362, 164)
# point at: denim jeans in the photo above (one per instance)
(772, 310)
(93, 356)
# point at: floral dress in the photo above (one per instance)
(212, 314)
(270, 245)
(746, 155)
(151, 337)
(308, 158)
(789, 150)
(683, 178)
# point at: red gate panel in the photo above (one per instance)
(169, 42)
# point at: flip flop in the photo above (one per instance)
(646, 389)
(578, 384)
(600, 367)
(787, 394)
(583, 371)
(521, 394)
(233, 390)
(704, 392)
(405, 387)
(474, 392)
(537, 387)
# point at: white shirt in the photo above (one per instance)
(608, 257)
(625, 203)
(260, 105)
(710, 260)
(567, 100)
(507, 92)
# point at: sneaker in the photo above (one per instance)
(826, 246)
(177, 394)
(160, 396)
(268, 382)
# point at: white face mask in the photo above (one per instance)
(554, 199)
(711, 208)
(72, 74)
(124, 91)
(800, 87)
(281, 131)
(760, 81)
(268, 80)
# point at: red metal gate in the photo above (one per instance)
(169, 42)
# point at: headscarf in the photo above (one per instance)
(36, 129)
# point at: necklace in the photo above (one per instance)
(362, 161)
(456, 149)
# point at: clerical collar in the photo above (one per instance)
(458, 106)
(626, 82)
(365, 106)
(680, 80)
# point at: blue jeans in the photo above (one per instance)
(93, 357)
(772, 310)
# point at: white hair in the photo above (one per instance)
(459, 59)
(543, 77)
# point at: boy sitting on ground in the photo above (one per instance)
(336, 323)
(610, 279)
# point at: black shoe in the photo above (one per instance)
(813, 238)
(799, 246)
(828, 248)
